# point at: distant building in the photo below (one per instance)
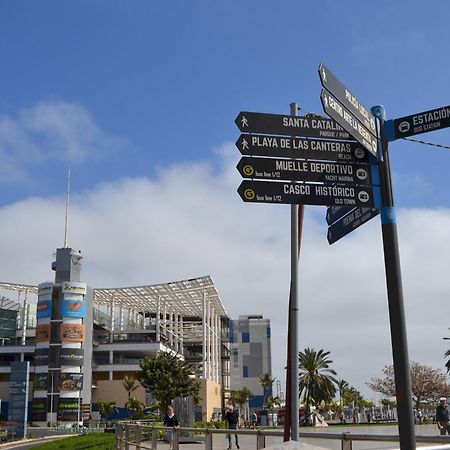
(250, 358)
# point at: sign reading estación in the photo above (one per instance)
(419, 123)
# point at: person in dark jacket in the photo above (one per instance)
(170, 420)
(442, 417)
(232, 418)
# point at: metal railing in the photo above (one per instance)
(140, 435)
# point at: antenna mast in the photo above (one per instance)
(66, 222)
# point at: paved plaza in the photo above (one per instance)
(315, 443)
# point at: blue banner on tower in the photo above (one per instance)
(44, 308)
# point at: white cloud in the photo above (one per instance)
(189, 221)
(50, 131)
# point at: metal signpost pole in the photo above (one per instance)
(395, 298)
(293, 312)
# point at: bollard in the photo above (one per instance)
(260, 440)
(154, 438)
(346, 442)
(138, 437)
(208, 440)
(176, 439)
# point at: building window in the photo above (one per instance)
(245, 371)
(268, 332)
(245, 337)
(235, 352)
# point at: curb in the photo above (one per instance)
(40, 440)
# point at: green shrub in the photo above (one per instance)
(217, 424)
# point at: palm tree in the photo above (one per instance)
(342, 386)
(316, 380)
(106, 408)
(134, 405)
(129, 383)
(241, 397)
(266, 381)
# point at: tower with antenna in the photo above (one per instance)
(66, 221)
(63, 353)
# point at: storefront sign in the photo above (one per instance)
(73, 287)
(72, 332)
(44, 308)
(72, 356)
(43, 333)
(70, 381)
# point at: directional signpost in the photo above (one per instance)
(347, 99)
(303, 148)
(316, 161)
(334, 213)
(308, 126)
(340, 104)
(349, 222)
(419, 123)
(341, 115)
(301, 170)
(306, 194)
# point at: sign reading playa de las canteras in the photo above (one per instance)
(303, 193)
(307, 126)
(259, 145)
(422, 122)
(300, 170)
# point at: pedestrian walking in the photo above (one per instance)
(442, 417)
(170, 420)
(232, 419)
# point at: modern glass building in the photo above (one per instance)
(82, 342)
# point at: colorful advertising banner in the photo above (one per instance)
(40, 381)
(70, 381)
(72, 356)
(44, 308)
(43, 333)
(73, 308)
(41, 357)
(68, 409)
(39, 409)
(45, 289)
(71, 332)
(73, 287)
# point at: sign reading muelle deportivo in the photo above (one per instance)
(301, 170)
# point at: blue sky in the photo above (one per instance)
(141, 96)
(169, 78)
